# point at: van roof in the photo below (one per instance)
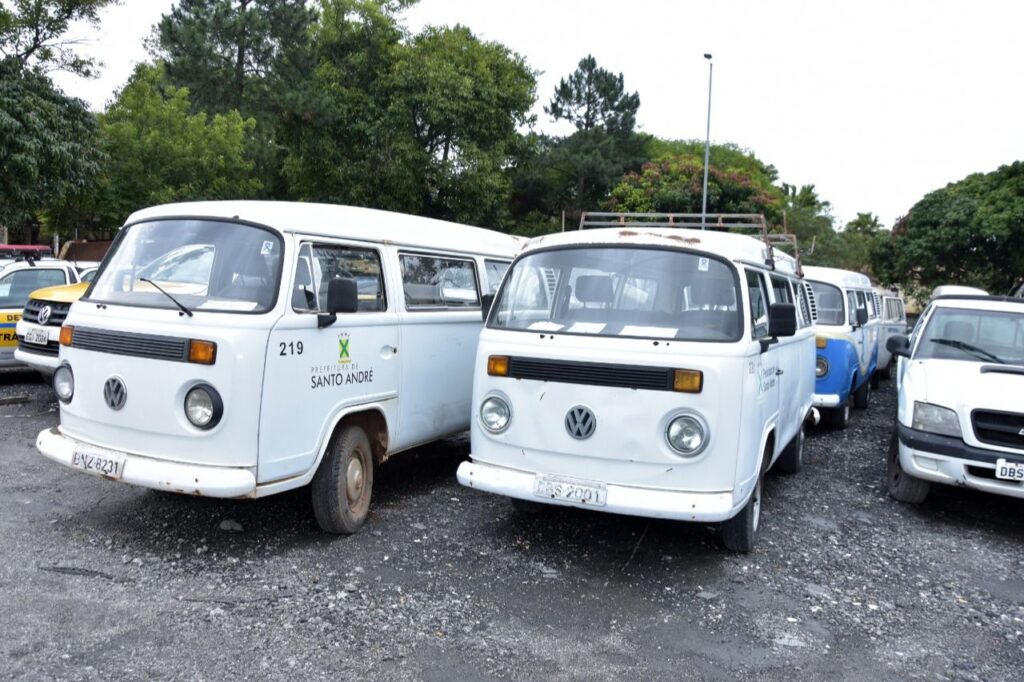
(350, 222)
(837, 277)
(735, 247)
(972, 302)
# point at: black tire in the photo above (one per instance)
(902, 486)
(739, 534)
(876, 379)
(887, 372)
(792, 458)
(343, 484)
(526, 507)
(838, 417)
(862, 396)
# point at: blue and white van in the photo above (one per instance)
(893, 316)
(847, 341)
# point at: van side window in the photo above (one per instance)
(432, 282)
(758, 304)
(780, 288)
(495, 271)
(851, 304)
(320, 263)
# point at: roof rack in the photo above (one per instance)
(721, 222)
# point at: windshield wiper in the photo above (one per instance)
(182, 308)
(969, 348)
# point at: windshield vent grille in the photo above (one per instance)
(814, 303)
(128, 343)
(591, 373)
(999, 428)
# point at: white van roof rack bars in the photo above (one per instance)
(723, 222)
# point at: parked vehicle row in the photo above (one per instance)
(241, 349)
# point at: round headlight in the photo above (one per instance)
(686, 435)
(203, 406)
(64, 383)
(820, 367)
(495, 414)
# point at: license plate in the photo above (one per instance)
(571, 490)
(104, 463)
(1009, 471)
(37, 336)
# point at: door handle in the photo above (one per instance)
(779, 372)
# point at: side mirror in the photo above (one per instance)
(486, 301)
(862, 317)
(898, 345)
(781, 320)
(342, 297)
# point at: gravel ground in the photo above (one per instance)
(102, 580)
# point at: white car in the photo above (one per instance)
(961, 399)
(649, 371)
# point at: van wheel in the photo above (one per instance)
(344, 482)
(839, 417)
(792, 458)
(887, 372)
(902, 486)
(527, 507)
(862, 396)
(739, 533)
(876, 379)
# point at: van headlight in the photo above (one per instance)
(203, 406)
(820, 367)
(64, 383)
(687, 435)
(495, 414)
(936, 419)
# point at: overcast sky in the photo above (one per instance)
(874, 102)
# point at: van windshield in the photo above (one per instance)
(204, 264)
(829, 301)
(623, 292)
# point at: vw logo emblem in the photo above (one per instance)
(1021, 432)
(114, 393)
(580, 422)
(44, 314)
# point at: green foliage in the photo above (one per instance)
(32, 32)
(47, 145)
(593, 97)
(158, 151)
(968, 232)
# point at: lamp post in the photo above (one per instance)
(707, 149)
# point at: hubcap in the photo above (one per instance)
(354, 478)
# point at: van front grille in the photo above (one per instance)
(51, 348)
(591, 373)
(999, 428)
(128, 343)
(58, 312)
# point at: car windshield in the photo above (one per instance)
(829, 300)
(995, 336)
(204, 264)
(624, 292)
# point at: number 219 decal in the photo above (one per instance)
(290, 347)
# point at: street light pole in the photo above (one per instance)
(707, 150)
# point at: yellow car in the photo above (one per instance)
(38, 331)
(18, 279)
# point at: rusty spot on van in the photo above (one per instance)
(681, 239)
(627, 233)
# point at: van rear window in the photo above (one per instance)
(622, 292)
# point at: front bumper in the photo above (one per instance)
(44, 362)
(831, 400)
(633, 501)
(949, 460)
(176, 477)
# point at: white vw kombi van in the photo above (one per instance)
(646, 370)
(240, 349)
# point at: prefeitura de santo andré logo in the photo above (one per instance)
(344, 354)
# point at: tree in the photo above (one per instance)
(968, 232)
(593, 97)
(48, 147)
(158, 151)
(32, 32)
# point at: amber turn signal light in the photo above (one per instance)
(820, 341)
(67, 334)
(497, 366)
(688, 381)
(202, 352)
